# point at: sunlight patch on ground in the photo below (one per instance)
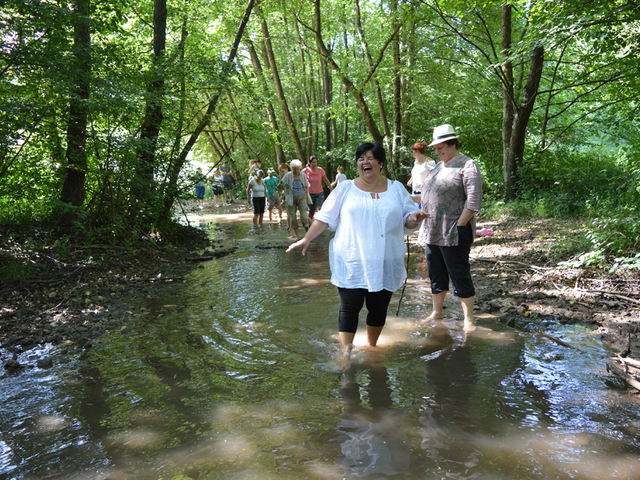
(50, 423)
(138, 439)
(565, 456)
(305, 282)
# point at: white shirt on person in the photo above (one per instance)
(368, 248)
(257, 189)
(419, 172)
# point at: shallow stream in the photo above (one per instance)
(238, 378)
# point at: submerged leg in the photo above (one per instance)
(438, 305)
(467, 309)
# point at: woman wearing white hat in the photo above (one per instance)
(452, 195)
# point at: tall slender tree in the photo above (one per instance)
(73, 189)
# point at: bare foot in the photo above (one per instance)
(345, 352)
(345, 359)
(469, 325)
(434, 316)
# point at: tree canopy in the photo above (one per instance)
(103, 104)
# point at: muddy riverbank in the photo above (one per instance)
(83, 292)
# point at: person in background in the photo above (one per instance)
(296, 191)
(227, 181)
(370, 216)
(451, 195)
(284, 168)
(219, 196)
(422, 165)
(254, 166)
(340, 177)
(257, 198)
(199, 179)
(273, 200)
(316, 175)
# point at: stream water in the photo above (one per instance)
(238, 378)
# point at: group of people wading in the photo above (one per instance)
(302, 189)
(370, 216)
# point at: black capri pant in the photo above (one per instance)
(452, 262)
(258, 204)
(351, 302)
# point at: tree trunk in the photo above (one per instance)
(327, 97)
(271, 113)
(407, 83)
(508, 105)
(520, 122)
(171, 174)
(356, 93)
(142, 191)
(293, 132)
(234, 112)
(73, 188)
(345, 117)
(227, 69)
(376, 85)
(397, 135)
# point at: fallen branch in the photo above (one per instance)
(609, 292)
(602, 292)
(630, 361)
(199, 259)
(612, 294)
(613, 368)
(557, 340)
(511, 262)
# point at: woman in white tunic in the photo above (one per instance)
(370, 216)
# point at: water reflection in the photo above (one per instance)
(371, 430)
(446, 413)
(236, 377)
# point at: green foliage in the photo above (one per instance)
(614, 240)
(12, 269)
(582, 144)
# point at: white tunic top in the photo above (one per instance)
(368, 248)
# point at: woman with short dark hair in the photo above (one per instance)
(370, 216)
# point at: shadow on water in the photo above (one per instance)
(238, 377)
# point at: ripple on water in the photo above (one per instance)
(238, 376)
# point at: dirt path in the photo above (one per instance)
(91, 290)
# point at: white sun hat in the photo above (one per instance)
(443, 133)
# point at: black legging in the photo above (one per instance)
(351, 302)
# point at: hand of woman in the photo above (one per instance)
(419, 216)
(316, 228)
(415, 218)
(304, 243)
